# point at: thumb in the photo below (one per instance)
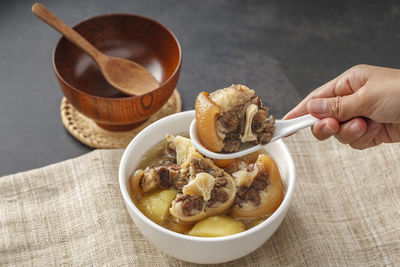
(341, 108)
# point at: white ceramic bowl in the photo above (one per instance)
(200, 249)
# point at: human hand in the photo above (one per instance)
(361, 107)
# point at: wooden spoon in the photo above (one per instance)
(125, 75)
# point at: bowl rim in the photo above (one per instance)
(127, 96)
(129, 202)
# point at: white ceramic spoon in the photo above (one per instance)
(282, 128)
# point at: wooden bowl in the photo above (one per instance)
(133, 37)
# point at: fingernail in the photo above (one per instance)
(317, 106)
(327, 130)
(354, 127)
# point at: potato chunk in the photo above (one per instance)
(156, 206)
(216, 226)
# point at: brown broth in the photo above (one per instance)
(153, 157)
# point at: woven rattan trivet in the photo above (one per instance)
(88, 132)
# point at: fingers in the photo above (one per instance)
(345, 84)
(368, 139)
(342, 108)
(325, 128)
(346, 133)
(351, 131)
(325, 90)
(299, 110)
(358, 132)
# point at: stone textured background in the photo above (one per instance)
(282, 49)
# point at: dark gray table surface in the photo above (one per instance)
(282, 49)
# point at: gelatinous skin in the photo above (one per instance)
(271, 196)
(219, 208)
(135, 183)
(206, 116)
(222, 163)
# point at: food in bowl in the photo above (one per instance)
(181, 190)
(187, 247)
(230, 116)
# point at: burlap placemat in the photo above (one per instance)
(345, 212)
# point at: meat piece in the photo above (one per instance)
(199, 165)
(180, 183)
(253, 196)
(174, 174)
(164, 177)
(232, 142)
(231, 146)
(168, 161)
(241, 114)
(149, 181)
(217, 195)
(220, 182)
(167, 175)
(262, 175)
(160, 176)
(231, 125)
(190, 204)
(241, 193)
(220, 195)
(164, 161)
(267, 130)
(181, 180)
(239, 117)
(170, 150)
(207, 183)
(245, 194)
(251, 193)
(258, 121)
(264, 137)
(216, 172)
(259, 184)
(237, 165)
(229, 121)
(174, 167)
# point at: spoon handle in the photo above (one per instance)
(44, 14)
(288, 127)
